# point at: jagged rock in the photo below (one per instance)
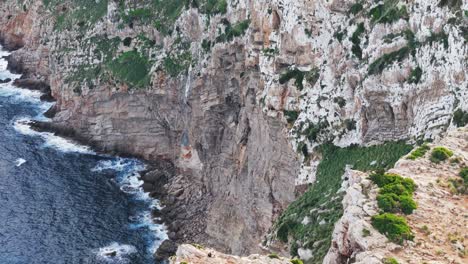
(200, 255)
(7, 80)
(166, 249)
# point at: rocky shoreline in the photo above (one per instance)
(155, 176)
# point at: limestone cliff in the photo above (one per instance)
(237, 94)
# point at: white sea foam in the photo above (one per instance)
(22, 125)
(116, 252)
(130, 183)
(20, 162)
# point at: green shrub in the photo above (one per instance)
(212, 7)
(232, 31)
(396, 188)
(407, 204)
(384, 179)
(419, 152)
(140, 14)
(355, 8)
(273, 256)
(440, 154)
(394, 227)
(291, 116)
(132, 68)
(387, 59)
(366, 232)
(390, 261)
(415, 76)
(388, 202)
(438, 37)
(293, 74)
(299, 76)
(356, 40)
(460, 118)
(395, 194)
(388, 12)
(464, 173)
(452, 4)
(165, 14)
(296, 261)
(177, 63)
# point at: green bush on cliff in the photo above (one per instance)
(83, 13)
(356, 40)
(176, 64)
(232, 31)
(395, 194)
(460, 118)
(464, 174)
(440, 154)
(415, 76)
(211, 7)
(310, 76)
(291, 116)
(390, 261)
(419, 152)
(166, 13)
(382, 179)
(388, 12)
(394, 227)
(296, 261)
(321, 203)
(132, 68)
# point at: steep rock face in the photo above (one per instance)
(213, 96)
(235, 163)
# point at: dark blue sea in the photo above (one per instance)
(62, 203)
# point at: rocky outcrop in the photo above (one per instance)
(439, 222)
(199, 255)
(354, 239)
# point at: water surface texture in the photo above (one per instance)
(61, 202)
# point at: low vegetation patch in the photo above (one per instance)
(460, 118)
(415, 76)
(356, 40)
(460, 185)
(132, 68)
(395, 196)
(440, 154)
(232, 31)
(299, 76)
(296, 261)
(388, 12)
(211, 7)
(176, 64)
(321, 204)
(82, 13)
(419, 152)
(390, 261)
(291, 116)
(356, 8)
(393, 226)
